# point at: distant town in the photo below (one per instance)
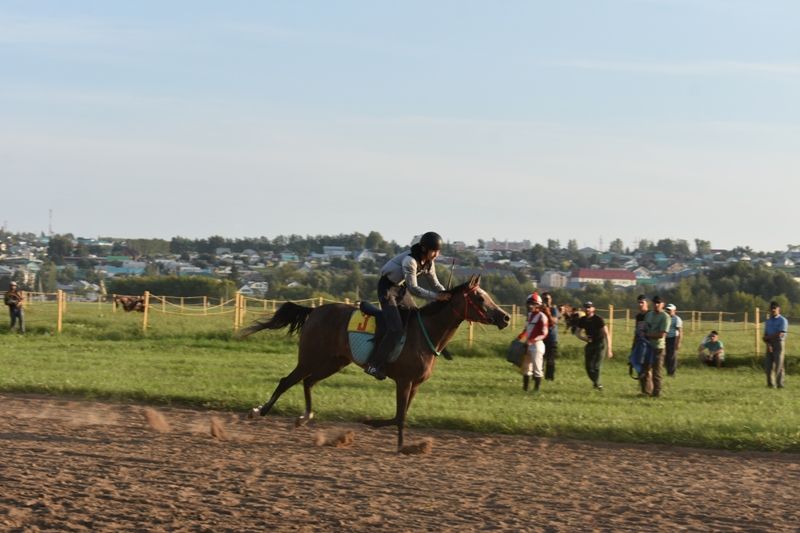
(83, 266)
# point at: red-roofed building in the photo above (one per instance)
(617, 276)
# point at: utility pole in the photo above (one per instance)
(50, 223)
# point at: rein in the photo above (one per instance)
(467, 304)
(427, 337)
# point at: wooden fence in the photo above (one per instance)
(241, 306)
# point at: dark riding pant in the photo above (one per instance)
(651, 376)
(550, 354)
(671, 357)
(391, 297)
(593, 357)
(774, 363)
(17, 315)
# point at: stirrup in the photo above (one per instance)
(375, 372)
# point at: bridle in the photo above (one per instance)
(469, 303)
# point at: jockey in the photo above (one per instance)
(399, 278)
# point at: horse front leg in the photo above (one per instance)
(402, 391)
(404, 395)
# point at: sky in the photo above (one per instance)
(579, 119)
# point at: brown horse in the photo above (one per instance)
(130, 303)
(325, 348)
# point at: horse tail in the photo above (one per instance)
(289, 314)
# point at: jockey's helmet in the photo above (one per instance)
(431, 241)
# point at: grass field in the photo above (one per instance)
(195, 361)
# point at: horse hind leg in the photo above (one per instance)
(283, 385)
(310, 381)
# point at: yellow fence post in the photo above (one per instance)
(471, 334)
(627, 320)
(243, 314)
(745, 320)
(60, 307)
(236, 311)
(146, 310)
(113, 303)
(163, 304)
(757, 322)
(719, 328)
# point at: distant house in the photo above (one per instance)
(507, 246)
(368, 255)
(289, 257)
(586, 276)
(553, 280)
(588, 252)
(257, 289)
(642, 273)
(336, 252)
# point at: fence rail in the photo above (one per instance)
(240, 306)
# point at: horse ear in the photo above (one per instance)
(475, 280)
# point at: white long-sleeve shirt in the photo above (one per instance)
(403, 268)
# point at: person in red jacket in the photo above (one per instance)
(536, 330)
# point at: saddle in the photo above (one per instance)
(367, 327)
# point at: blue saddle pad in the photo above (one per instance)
(361, 335)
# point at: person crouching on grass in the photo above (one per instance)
(536, 330)
(711, 351)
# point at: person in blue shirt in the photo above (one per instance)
(775, 329)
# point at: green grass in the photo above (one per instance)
(195, 361)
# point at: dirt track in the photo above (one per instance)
(84, 465)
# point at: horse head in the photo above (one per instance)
(470, 302)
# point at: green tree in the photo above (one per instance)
(58, 248)
(47, 278)
(616, 246)
(703, 247)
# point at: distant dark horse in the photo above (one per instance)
(130, 303)
(325, 349)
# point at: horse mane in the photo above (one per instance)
(431, 308)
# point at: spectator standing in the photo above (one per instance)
(593, 331)
(13, 299)
(638, 327)
(775, 329)
(656, 327)
(535, 332)
(712, 350)
(674, 337)
(551, 342)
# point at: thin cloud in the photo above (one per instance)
(18, 30)
(686, 69)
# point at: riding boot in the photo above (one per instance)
(526, 379)
(536, 383)
(379, 357)
(550, 370)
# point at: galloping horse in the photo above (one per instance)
(325, 348)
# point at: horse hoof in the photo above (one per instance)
(252, 413)
(303, 420)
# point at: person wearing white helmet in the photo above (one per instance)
(13, 299)
(398, 280)
(534, 334)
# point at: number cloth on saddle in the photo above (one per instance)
(361, 335)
